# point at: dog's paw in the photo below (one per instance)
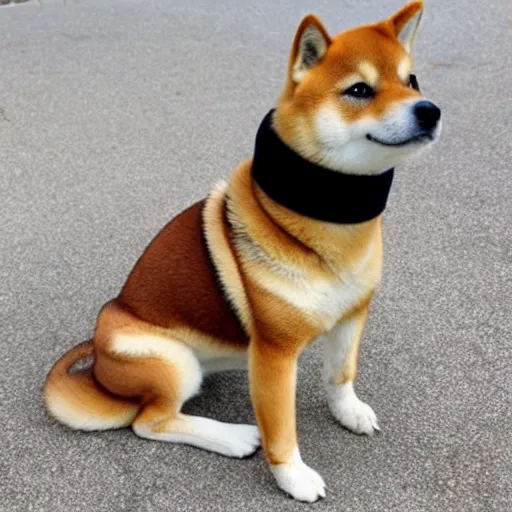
(351, 412)
(244, 440)
(298, 480)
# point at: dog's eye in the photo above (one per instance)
(413, 83)
(360, 90)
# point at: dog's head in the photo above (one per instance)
(350, 102)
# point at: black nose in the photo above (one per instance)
(427, 115)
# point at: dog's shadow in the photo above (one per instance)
(224, 397)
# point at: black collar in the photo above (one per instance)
(312, 190)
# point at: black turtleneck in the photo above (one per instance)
(312, 190)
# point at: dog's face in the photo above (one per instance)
(349, 103)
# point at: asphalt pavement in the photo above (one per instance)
(117, 114)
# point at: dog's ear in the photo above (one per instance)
(405, 23)
(309, 46)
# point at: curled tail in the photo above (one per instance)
(77, 401)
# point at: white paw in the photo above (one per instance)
(298, 480)
(244, 440)
(351, 412)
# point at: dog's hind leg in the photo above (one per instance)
(165, 373)
(227, 439)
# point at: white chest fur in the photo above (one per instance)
(326, 299)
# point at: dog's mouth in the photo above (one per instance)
(417, 139)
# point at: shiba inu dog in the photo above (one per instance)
(288, 252)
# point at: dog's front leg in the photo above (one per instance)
(341, 348)
(273, 374)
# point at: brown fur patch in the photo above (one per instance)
(174, 283)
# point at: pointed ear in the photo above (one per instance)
(309, 46)
(406, 22)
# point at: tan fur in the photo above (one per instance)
(240, 273)
(75, 399)
(217, 238)
(404, 69)
(273, 378)
(349, 369)
(369, 73)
